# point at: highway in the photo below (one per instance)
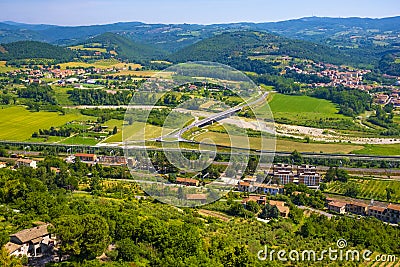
(219, 116)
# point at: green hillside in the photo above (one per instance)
(228, 46)
(33, 49)
(126, 48)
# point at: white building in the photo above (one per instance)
(26, 163)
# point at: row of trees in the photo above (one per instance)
(352, 102)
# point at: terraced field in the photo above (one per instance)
(370, 188)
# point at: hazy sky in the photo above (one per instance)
(84, 12)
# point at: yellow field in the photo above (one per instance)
(140, 73)
(80, 47)
(4, 68)
(102, 64)
(135, 131)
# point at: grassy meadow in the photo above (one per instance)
(18, 124)
(299, 108)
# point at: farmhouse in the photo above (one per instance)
(393, 213)
(197, 197)
(338, 207)
(3, 164)
(280, 205)
(26, 163)
(377, 212)
(261, 200)
(33, 242)
(358, 208)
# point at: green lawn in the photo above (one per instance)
(369, 188)
(62, 96)
(135, 131)
(303, 106)
(18, 124)
(383, 150)
(303, 110)
(80, 140)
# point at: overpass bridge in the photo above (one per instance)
(207, 121)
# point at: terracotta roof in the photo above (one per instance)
(377, 208)
(337, 204)
(283, 209)
(269, 186)
(186, 180)
(29, 161)
(32, 233)
(244, 183)
(277, 203)
(11, 247)
(254, 198)
(85, 155)
(196, 196)
(359, 204)
(394, 207)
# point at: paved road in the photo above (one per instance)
(216, 117)
(328, 215)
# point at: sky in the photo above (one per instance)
(89, 12)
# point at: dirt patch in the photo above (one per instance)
(214, 214)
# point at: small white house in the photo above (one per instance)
(3, 165)
(30, 163)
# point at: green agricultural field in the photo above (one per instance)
(369, 188)
(18, 124)
(305, 111)
(80, 140)
(62, 96)
(134, 131)
(303, 107)
(382, 150)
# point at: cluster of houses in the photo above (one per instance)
(262, 200)
(388, 213)
(352, 78)
(33, 243)
(393, 98)
(338, 75)
(22, 162)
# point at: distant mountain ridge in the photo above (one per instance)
(172, 37)
(126, 48)
(227, 46)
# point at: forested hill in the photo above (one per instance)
(243, 44)
(126, 48)
(33, 49)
